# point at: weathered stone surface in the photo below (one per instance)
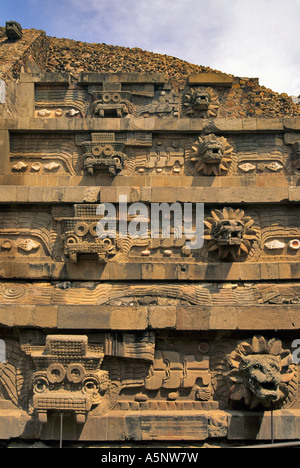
(129, 338)
(257, 426)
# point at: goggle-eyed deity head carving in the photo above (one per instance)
(68, 377)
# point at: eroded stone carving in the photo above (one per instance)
(78, 374)
(67, 373)
(44, 113)
(80, 234)
(44, 153)
(13, 30)
(111, 101)
(70, 101)
(247, 167)
(20, 166)
(172, 370)
(210, 155)
(275, 244)
(68, 377)
(259, 372)
(230, 233)
(103, 152)
(295, 156)
(28, 245)
(139, 294)
(163, 157)
(200, 102)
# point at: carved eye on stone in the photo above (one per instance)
(90, 385)
(93, 229)
(40, 384)
(256, 367)
(56, 373)
(106, 97)
(107, 243)
(97, 150)
(108, 150)
(116, 97)
(75, 373)
(81, 228)
(117, 160)
(72, 240)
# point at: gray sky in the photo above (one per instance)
(249, 38)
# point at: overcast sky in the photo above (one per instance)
(246, 38)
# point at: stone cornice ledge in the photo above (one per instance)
(157, 124)
(135, 193)
(180, 318)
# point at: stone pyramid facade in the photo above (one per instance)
(149, 248)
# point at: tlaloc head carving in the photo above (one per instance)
(260, 373)
(103, 153)
(230, 232)
(68, 377)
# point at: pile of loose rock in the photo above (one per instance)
(246, 98)
(75, 57)
(36, 51)
(26, 54)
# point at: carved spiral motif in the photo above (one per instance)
(13, 293)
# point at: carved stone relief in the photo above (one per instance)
(70, 233)
(44, 154)
(230, 233)
(210, 155)
(67, 373)
(111, 101)
(25, 234)
(167, 294)
(257, 373)
(200, 102)
(60, 101)
(107, 100)
(81, 236)
(264, 154)
(103, 152)
(137, 152)
(103, 372)
(295, 156)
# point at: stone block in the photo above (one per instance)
(12, 423)
(4, 151)
(294, 194)
(210, 78)
(89, 317)
(8, 194)
(174, 426)
(193, 318)
(283, 425)
(129, 318)
(162, 317)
